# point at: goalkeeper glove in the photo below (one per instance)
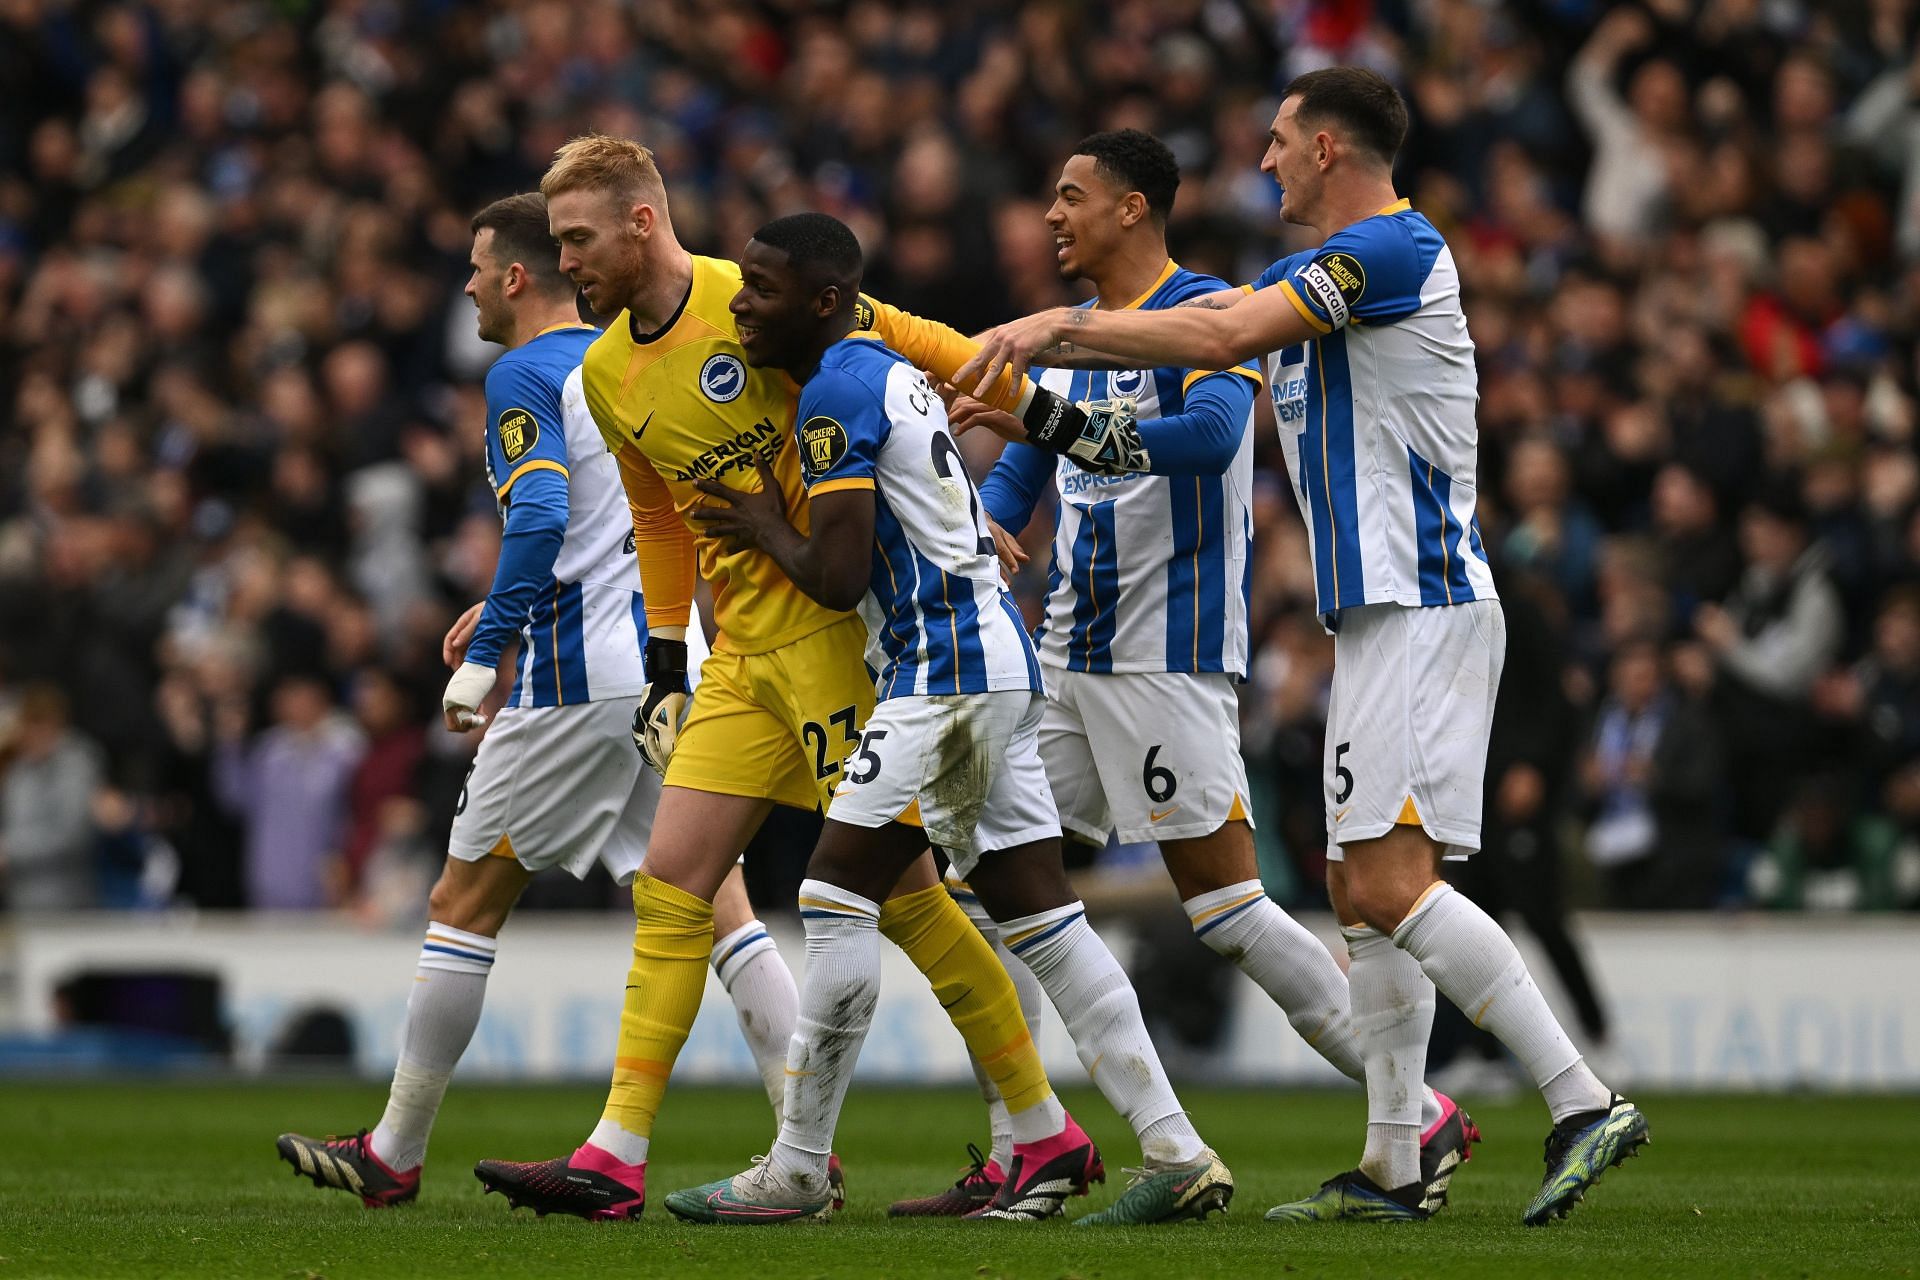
(469, 687)
(662, 702)
(1102, 436)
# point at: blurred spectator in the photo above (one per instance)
(1552, 531)
(1872, 710)
(47, 833)
(1653, 778)
(1702, 554)
(289, 787)
(1635, 134)
(1777, 633)
(388, 771)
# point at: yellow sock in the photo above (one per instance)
(975, 991)
(672, 938)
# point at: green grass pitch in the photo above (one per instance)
(143, 1179)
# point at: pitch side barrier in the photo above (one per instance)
(1710, 1002)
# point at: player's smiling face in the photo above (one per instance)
(1291, 162)
(1084, 217)
(775, 312)
(599, 250)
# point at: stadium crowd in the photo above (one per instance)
(242, 401)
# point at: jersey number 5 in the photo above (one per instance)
(948, 465)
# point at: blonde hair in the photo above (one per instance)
(601, 162)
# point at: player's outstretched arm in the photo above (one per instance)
(1216, 331)
(830, 564)
(940, 350)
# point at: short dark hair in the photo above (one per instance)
(519, 226)
(1137, 161)
(819, 246)
(1367, 108)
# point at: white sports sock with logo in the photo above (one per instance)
(765, 1002)
(1475, 964)
(449, 987)
(1091, 993)
(837, 1001)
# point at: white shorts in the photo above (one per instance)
(559, 787)
(1408, 719)
(970, 761)
(1151, 755)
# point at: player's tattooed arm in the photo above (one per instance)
(1069, 354)
(1187, 337)
(829, 565)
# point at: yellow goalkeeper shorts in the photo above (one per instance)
(776, 725)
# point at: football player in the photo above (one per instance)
(1382, 446)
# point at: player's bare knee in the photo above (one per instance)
(863, 860)
(476, 897)
(1204, 863)
(1378, 905)
(731, 906)
(1022, 881)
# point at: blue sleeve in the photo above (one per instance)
(1371, 272)
(1012, 489)
(525, 432)
(536, 526)
(1203, 438)
(842, 427)
(1277, 271)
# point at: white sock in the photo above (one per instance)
(622, 1144)
(1473, 962)
(836, 1009)
(1247, 927)
(764, 1000)
(1027, 987)
(1102, 1013)
(443, 1008)
(1392, 1018)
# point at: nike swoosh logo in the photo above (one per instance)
(642, 428)
(1340, 815)
(1155, 815)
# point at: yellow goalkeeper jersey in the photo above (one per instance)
(684, 405)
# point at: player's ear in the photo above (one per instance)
(641, 219)
(1324, 147)
(827, 303)
(1133, 207)
(514, 280)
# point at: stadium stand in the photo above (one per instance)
(243, 415)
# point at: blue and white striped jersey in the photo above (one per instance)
(581, 620)
(935, 609)
(1152, 572)
(1377, 418)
